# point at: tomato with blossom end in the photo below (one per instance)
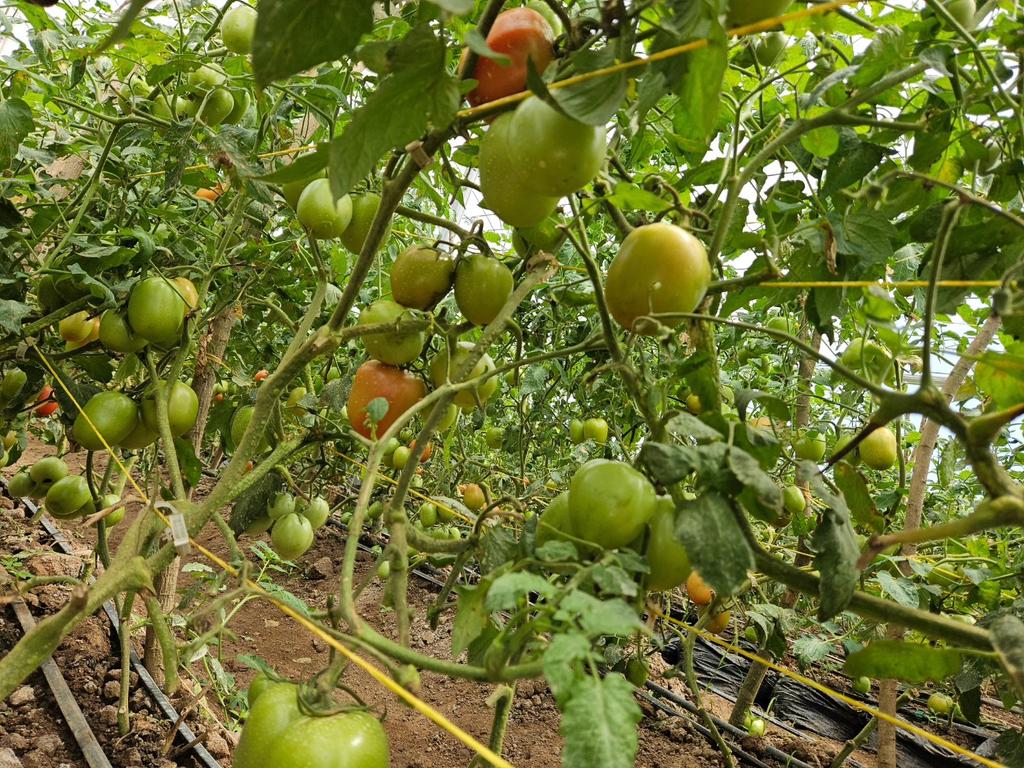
(576, 431)
(400, 389)
(862, 684)
(793, 500)
(940, 703)
(364, 210)
(75, 328)
(660, 268)
(718, 623)
(610, 503)
(520, 34)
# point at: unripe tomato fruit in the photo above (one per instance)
(364, 209)
(188, 292)
(666, 555)
(140, 437)
(963, 11)
(373, 379)
(115, 334)
(862, 684)
(67, 497)
(503, 180)
(610, 503)
(11, 385)
(116, 515)
(292, 190)
(549, 15)
(156, 311)
(421, 276)
(206, 78)
(450, 417)
(182, 409)
(76, 328)
(21, 485)
(940, 703)
(719, 622)
(316, 511)
(113, 414)
(400, 457)
(465, 398)
(238, 27)
(576, 431)
(810, 448)
(473, 496)
(756, 727)
(768, 47)
(693, 404)
(742, 12)
(879, 450)
(397, 347)
(320, 213)
(216, 106)
(291, 536)
(699, 592)
(239, 423)
(869, 359)
(282, 504)
(853, 457)
(637, 672)
(278, 733)
(494, 437)
(556, 154)
(793, 500)
(427, 514)
(659, 268)
(292, 405)
(596, 430)
(241, 102)
(47, 408)
(519, 34)
(554, 520)
(47, 471)
(482, 286)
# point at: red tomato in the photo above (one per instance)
(520, 34)
(427, 452)
(373, 380)
(46, 408)
(261, 375)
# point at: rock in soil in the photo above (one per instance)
(8, 759)
(23, 695)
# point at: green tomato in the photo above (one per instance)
(482, 286)
(465, 399)
(396, 347)
(278, 733)
(21, 485)
(291, 536)
(450, 417)
(862, 684)
(576, 431)
(216, 107)
(793, 500)
(383, 569)
(940, 703)
(963, 11)
(316, 511)
(282, 504)
(292, 190)
(320, 213)
(421, 277)
(756, 727)
(239, 423)
(46, 472)
(503, 181)
(810, 447)
(67, 497)
(115, 516)
(113, 414)
(140, 437)
(879, 449)
(364, 209)
(156, 311)
(554, 521)
(596, 430)
(182, 409)
(660, 268)
(206, 78)
(666, 555)
(115, 334)
(238, 27)
(241, 101)
(743, 12)
(637, 672)
(400, 457)
(783, 324)
(869, 359)
(12, 383)
(549, 15)
(258, 685)
(768, 47)
(853, 457)
(495, 437)
(610, 503)
(427, 514)
(556, 154)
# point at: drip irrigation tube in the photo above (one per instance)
(186, 734)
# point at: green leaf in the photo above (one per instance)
(882, 56)
(420, 93)
(555, 551)
(669, 463)
(613, 580)
(700, 92)
(835, 544)
(478, 45)
(471, 617)
(910, 662)
(293, 35)
(749, 473)
(1008, 640)
(252, 504)
(124, 24)
(508, 588)
(821, 142)
(303, 167)
(599, 617)
(630, 197)
(901, 590)
(15, 125)
(562, 660)
(864, 234)
(594, 101)
(1010, 748)
(11, 314)
(455, 7)
(713, 538)
(810, 650)
(599, 723)
(855, 490)
(685, 424)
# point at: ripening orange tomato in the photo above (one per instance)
(520, 34)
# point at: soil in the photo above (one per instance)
(259, 629)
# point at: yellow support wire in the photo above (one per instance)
(641, 61)
(821, 688)
(417, 704)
